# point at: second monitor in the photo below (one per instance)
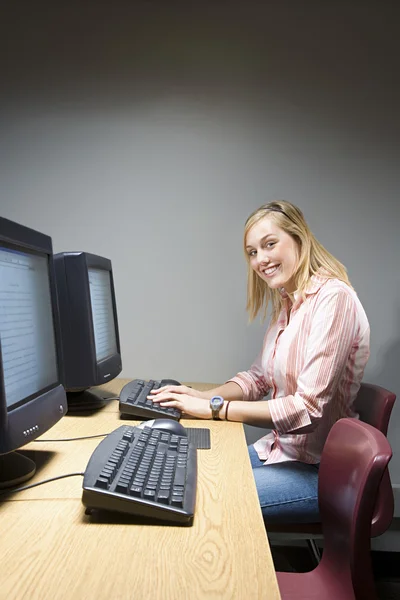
(89, 326)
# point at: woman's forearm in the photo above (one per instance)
(251, 413)
(229, 391)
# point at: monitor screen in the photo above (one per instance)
(105, 338)
(32, 398)
(89, 326)
(26, 325)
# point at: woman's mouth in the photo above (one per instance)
(270, 271)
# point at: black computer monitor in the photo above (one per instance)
(32, 398)
(89, 326)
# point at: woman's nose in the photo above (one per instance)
(262, 257)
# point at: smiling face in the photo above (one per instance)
(273, 254)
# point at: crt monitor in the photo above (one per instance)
(32, 397)
(89, 326)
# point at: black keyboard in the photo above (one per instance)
(145, 472)
(133, 400)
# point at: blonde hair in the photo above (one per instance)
(312, 257)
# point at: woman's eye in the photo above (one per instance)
(252, 253)
(271, 244)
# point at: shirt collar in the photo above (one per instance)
(316, 282)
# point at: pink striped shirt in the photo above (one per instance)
(312, 361)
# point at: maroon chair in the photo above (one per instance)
(353, 462)
(374, 405)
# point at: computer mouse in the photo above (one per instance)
(169, 382)
(169, 425)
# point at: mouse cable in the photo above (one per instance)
(85, 437)
(32, 485)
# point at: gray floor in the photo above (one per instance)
(388, 590)
(386, 567)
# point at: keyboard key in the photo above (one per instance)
(102, 482)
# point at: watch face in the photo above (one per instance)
(216, 402)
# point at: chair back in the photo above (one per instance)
(374, 405)
(353, 462)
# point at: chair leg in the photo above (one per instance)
(312, 546)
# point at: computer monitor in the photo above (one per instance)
(32, 397)
(89, 326)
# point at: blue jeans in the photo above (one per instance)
(288, 492)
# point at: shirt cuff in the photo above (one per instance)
(253, 387)
(241, 384)
(288, 413)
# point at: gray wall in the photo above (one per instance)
(148, 135)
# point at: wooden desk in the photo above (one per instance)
(51, 550)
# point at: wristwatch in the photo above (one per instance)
(216, 403)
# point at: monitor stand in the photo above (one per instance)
(15, 468)
(84, 401)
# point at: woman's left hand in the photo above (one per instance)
(190, 405)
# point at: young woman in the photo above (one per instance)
(312, 361)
